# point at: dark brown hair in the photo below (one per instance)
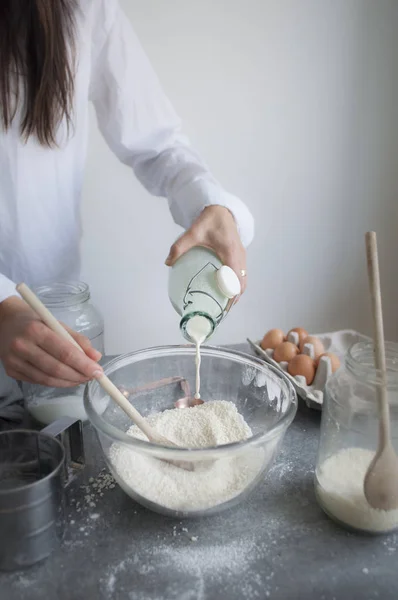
(37, 54)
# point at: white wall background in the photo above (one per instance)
(294, 105)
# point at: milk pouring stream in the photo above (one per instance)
(202, 291)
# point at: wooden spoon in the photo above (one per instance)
(381, 479)
(48, 318)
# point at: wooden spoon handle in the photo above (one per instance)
(48, 318)
(377, 312)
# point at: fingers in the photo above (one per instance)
(233, 256)
(93, 354)
(64, 352)
(30, 351)
(216, 230)
(239, 266)
(46, 363)
(236, 259)
(24, 371)
(85, 344)
(187, 241)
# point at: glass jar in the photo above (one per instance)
(200, 285)
(349, 439)
(70, 303)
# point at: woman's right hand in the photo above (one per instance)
(31, 352)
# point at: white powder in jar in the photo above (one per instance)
(211, 482)
(47, 410)
(340, 491)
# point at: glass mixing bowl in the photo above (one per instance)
(154, 380)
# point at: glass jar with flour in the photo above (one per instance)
(349, 439)
(202, 291)
(70, 303)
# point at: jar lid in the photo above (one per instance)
(228, 282)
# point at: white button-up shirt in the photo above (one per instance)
(41, 188)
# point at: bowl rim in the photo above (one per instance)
(150, 448)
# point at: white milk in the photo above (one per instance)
(47, 410)
(198, 328)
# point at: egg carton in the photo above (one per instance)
(337, 342)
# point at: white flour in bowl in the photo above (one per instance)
(212, 482)
(340, 491)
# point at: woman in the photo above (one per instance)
(55, 55)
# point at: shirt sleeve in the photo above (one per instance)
(141, 127)
(7, 288)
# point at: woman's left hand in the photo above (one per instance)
(215, 229)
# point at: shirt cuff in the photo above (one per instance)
(187, 204)
(7, 288)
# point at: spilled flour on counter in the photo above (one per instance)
(213, 481)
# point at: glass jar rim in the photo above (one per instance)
(360, 362)
(61, 294)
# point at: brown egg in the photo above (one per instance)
(318, 346)
(302, 333)
(272, 339)
(334, 360)
(302, 365)
(285, 352)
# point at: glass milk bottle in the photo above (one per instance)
(201, 286)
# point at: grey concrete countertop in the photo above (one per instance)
(278, 544)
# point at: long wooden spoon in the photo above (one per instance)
(48, 318)
(381, 479)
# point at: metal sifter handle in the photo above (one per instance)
(70, 433)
